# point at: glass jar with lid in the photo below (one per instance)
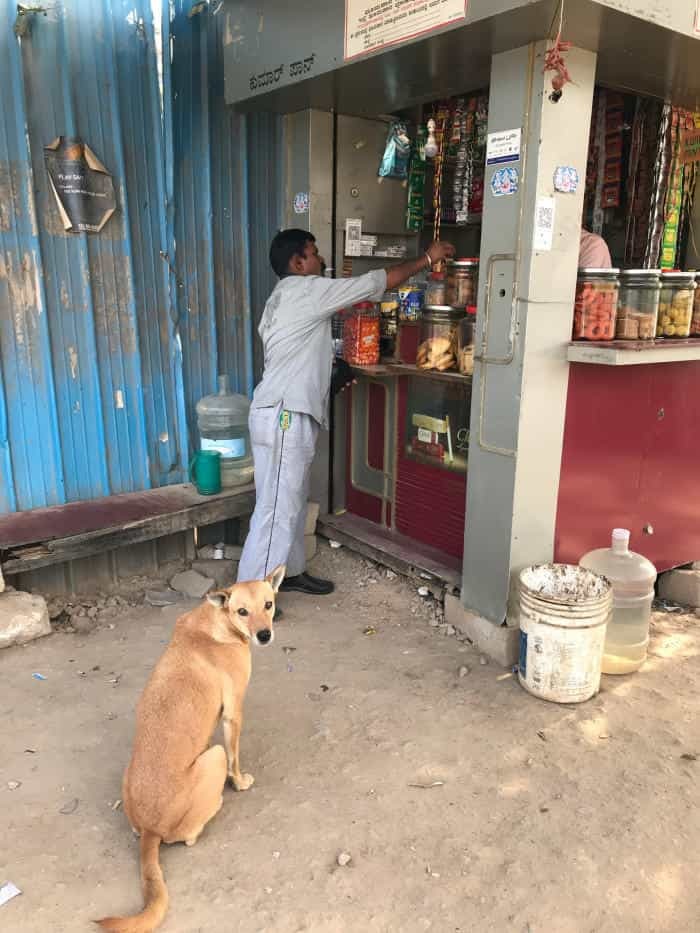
(638, 304)
(462, 282)
(695, 321)
(438, 338)
(675, 304)
(466, 332)
(361, 335)
(435, 290)
(595, 309)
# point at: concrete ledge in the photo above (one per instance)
(499, 642)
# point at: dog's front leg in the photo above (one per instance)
(232, 734)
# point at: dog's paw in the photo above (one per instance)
(243, 782)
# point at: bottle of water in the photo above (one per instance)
(633, 578)
(222, 420)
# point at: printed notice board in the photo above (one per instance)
(374, 24)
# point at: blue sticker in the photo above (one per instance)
(301, 202)
(566, 179)
(522, 661)
(504, 181)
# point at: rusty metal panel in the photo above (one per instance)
(91, 394)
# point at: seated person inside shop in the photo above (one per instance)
(291, 403)
(593, 252)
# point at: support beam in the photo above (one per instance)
(525, 310)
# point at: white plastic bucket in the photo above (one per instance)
(564, 611)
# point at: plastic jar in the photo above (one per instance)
(633, 578)
(676, 304)
(466, 331)
(222, 420)
(462, 282)
(595, 309)
(695, 322)
(438, 338)
(361, 335)
(638, 304)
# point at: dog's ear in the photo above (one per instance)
(219, 599)
(276, 577)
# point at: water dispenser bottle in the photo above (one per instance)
(633, 578)
(222, 420)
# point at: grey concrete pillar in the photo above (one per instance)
(525, 310)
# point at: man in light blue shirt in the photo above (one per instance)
(291, 403)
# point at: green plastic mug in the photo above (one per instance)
(205, 472)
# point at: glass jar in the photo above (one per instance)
(466, 332)
(389, 309)
(676, 304)
(361, 335)
(438, 338)
(436, 290)
(638, 304)
(462, 282)
(695, 322)
(596, 304)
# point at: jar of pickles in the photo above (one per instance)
(595, 309)
(438, 338)
(638, 304)
(676, 304)
(462, 282)
(361, 335)
(695, 322)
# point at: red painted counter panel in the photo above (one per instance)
(631, 459)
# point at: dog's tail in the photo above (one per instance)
(155, 893)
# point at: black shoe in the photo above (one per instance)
(305, 583)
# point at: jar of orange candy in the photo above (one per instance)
(595, 310)
(361, 335)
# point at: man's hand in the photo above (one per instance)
(436, 252)
(440, 251)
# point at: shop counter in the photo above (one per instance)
(634, 352)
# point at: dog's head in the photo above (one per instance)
(249, 608)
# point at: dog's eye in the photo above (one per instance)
(268, 606)
(242, 612)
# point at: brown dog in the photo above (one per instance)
(174, 782)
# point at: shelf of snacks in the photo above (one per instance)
(392, 368)
(634, 352)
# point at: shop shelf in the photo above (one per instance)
(634, 352)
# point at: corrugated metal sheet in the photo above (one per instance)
(107, 341)
(229, 174)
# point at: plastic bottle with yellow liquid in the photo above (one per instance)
(633, 578)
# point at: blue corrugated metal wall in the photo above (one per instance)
(108, 340)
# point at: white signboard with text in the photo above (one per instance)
(374, 24)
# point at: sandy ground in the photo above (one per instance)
(547, 819)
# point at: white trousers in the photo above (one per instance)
(283, 456)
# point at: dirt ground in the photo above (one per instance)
(542, 819)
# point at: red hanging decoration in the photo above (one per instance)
(554, 61)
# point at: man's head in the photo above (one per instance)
(294, 252)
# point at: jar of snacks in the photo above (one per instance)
(389, 308)
(638, 304)
(695, 322)
(466, 332)
(361, 335)
(462, 282)
(596, 304)
(438, 338)
(675, 304)
(435, 291)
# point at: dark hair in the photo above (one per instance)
(285, 246)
